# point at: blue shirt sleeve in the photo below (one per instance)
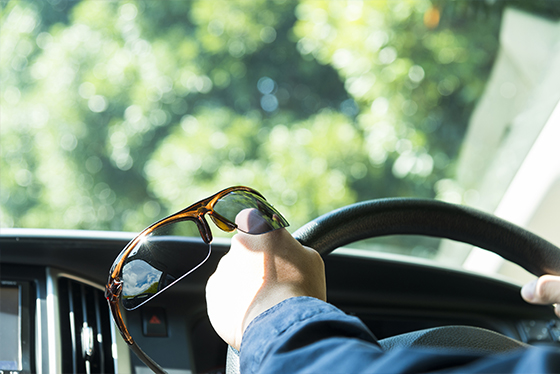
(307, 335)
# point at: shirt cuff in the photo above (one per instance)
(279, 326)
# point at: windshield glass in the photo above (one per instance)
(116, 113)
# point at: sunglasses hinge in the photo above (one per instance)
(113, 290)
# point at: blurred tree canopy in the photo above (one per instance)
(115, 113)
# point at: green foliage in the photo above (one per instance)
(116, 113)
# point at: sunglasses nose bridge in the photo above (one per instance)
(222, 223)
(204, 228)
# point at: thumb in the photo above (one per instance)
(544, 290)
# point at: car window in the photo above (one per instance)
(116, 113)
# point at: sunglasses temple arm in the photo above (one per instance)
(117, 317)
(146, 359)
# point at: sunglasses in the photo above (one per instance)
(155, 259)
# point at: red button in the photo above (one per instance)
(154, 321)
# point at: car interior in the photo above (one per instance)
(412, 144)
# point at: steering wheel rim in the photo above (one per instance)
(407, 216)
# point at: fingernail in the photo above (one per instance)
(251, 221)
(528, 290)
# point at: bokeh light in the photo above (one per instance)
(116, 113)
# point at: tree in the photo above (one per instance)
(116, 113)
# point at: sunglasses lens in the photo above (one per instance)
(251, 213)
(159, 260)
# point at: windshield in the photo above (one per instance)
(116, 113)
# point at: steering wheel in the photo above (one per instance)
(403, 216)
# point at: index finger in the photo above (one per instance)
(544, 290)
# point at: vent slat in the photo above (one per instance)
(85, 329)
(99, 335)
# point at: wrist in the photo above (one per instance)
(268, 299)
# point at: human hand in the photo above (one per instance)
(258, 272)
(543, 290)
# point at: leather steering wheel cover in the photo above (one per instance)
(405, 216)
(466, 338)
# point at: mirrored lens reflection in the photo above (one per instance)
(160, 260)
(250, 212)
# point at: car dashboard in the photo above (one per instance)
(53, 291)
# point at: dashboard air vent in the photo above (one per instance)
(85, 326)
